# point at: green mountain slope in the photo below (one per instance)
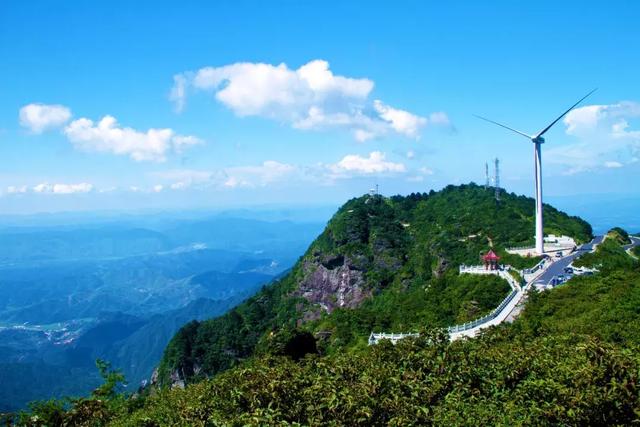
(381, 263)
(572, 358)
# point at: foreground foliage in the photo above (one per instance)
(572, 358)
(495, 380)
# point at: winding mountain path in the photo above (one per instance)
(514, 303)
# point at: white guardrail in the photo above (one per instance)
(374, 338)
(535, 268)
(484, 319)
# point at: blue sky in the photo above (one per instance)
(122, 105)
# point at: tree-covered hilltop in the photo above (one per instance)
(380, 264)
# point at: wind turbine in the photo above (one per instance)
(538, 140)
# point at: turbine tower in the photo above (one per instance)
(538, 140)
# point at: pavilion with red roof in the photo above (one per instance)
(490, 260)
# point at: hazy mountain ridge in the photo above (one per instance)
(68, 296)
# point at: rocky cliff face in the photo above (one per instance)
(333, 282)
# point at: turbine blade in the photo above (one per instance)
(543, 131)
(504, 126)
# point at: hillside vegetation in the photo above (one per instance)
(572, 358)
(381, 264)
(609, 255)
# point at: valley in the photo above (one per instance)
(70, 295)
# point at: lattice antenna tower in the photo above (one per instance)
(487, 181)
(496, 178)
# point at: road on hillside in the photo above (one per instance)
(557, 268)
(635, 241)
(558, 265)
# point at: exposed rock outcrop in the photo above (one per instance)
(332, 282)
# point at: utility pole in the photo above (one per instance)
(496, 179)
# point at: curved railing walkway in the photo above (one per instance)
(470, 329)
(504, 311)
(498, 315)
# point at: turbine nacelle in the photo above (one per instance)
(538, 140)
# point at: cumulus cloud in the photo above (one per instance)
(603, 137)
(375, 163)
(45, 187)
(612, 164)
(108, 136)
(40, 117)
(401, 121)
(311, 97)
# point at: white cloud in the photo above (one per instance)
(354, 164)
(158, 188)
(273, 91)
(108, 136)
(601, 132)
(362, 135)
(45, 187)
(439, 118)
(411, 154)
(179, 92)
(425, 171)
(420, 174)
(181, 142)
(16, 189)
(311, 97)
(179, 185)
(181, 179)
(401, 121)
(40, 117)
(612, 165)
(267, 173)
(262, 175)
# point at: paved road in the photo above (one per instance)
(558, 266)
(635, 241)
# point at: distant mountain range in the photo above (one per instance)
(69, 295)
